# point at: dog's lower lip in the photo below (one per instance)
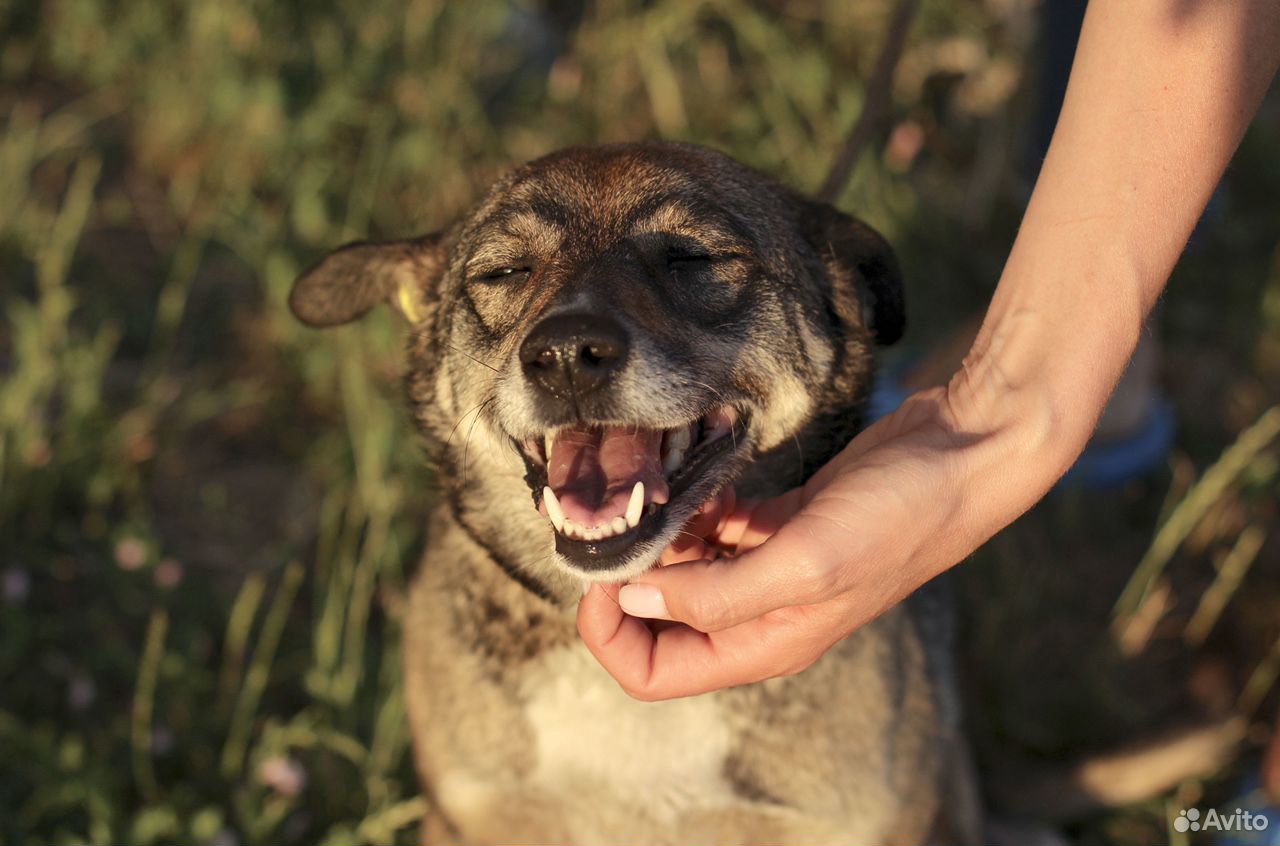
(602, 554)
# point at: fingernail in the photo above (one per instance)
(643, 601)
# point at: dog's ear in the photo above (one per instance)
(861, 264)
(353, 279)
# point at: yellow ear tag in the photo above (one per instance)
(407, 302)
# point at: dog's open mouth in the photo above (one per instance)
(607, 488)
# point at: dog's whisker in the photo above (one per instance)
(466, 445)
(478, 361)
(719, 396)
(476, 408)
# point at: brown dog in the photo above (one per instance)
(609, 337)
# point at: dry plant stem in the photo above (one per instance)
(875, 104)
(1242, 555)
(236, 639)
(1121, 776)
(1234, 460)
(1260, 683)
(382, 826)
(255, 680)
(1135, 637)
(144, 697)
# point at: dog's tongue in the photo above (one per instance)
(593, 470)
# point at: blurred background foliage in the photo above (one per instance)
(207, 513)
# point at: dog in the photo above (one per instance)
(608, 338)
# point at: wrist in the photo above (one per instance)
(1039, 376)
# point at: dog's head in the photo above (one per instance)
(614, 333)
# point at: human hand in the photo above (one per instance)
(906, 499)
(1124, 181)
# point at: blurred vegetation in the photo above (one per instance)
(207, 513)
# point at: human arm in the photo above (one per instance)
(1159, 97)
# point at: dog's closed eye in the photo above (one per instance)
(505, 274)
(682, 263)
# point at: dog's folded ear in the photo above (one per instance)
(354, 278)
(862, 265)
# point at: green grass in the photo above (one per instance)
(208, 514)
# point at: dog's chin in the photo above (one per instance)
(614, 525)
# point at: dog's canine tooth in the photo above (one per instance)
(547, 441)
(672, 462)
(554, 511)
(675, 445)
(635, 505)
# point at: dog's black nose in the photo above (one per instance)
(570, 355)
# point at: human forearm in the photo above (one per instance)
(1160, 95)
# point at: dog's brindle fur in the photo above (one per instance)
(733, 289)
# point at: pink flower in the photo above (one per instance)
(282, 774)
(131, 554)
(168, 573)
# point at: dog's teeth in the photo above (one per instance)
(547, 442)
(674, 447)
(554, 511)
(593, 534)
(672, 462)
(635, 505)
(618, 525)
(569, 529)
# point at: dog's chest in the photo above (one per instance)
(590, 736)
